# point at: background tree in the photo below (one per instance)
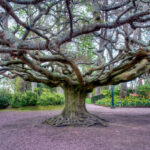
(38, 54)
(123, 91)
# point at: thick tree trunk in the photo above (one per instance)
(75, 113)
(74, 103)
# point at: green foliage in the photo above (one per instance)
(89, 8)
(16, 100)
(130, 101)
(143, 90)
(141, 99)
(41, 87)
(5, 97)
(49, 98)
(29, 98)
(3, 103)
(21, 85)
(17, 84)
(94, 91)
(86, 47)
(95, 98)
(108, 92)
(88, 101)
(26, 99)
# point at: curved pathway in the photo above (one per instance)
(129, 129)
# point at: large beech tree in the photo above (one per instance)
(42, 42)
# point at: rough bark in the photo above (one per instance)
(75, 112)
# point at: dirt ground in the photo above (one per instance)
(129, 129)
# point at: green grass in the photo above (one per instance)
(39, 108)
(88, 101)
(35, 108)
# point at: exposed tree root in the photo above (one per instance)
(76, 120)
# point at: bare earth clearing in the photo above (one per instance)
(129, 129)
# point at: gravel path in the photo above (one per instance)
(129, 129)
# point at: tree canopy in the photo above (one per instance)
(43, 37)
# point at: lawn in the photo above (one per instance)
(39, 108)
(35, 108)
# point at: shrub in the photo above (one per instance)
(143, 90)
(109, 92)
(5, 97)
(3, 103)
(49, 98)
(59, 99)
(95, 98)
(130, 101)
(88, 101)
(16, 100)
(28, 98)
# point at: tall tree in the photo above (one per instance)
(38, 55)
